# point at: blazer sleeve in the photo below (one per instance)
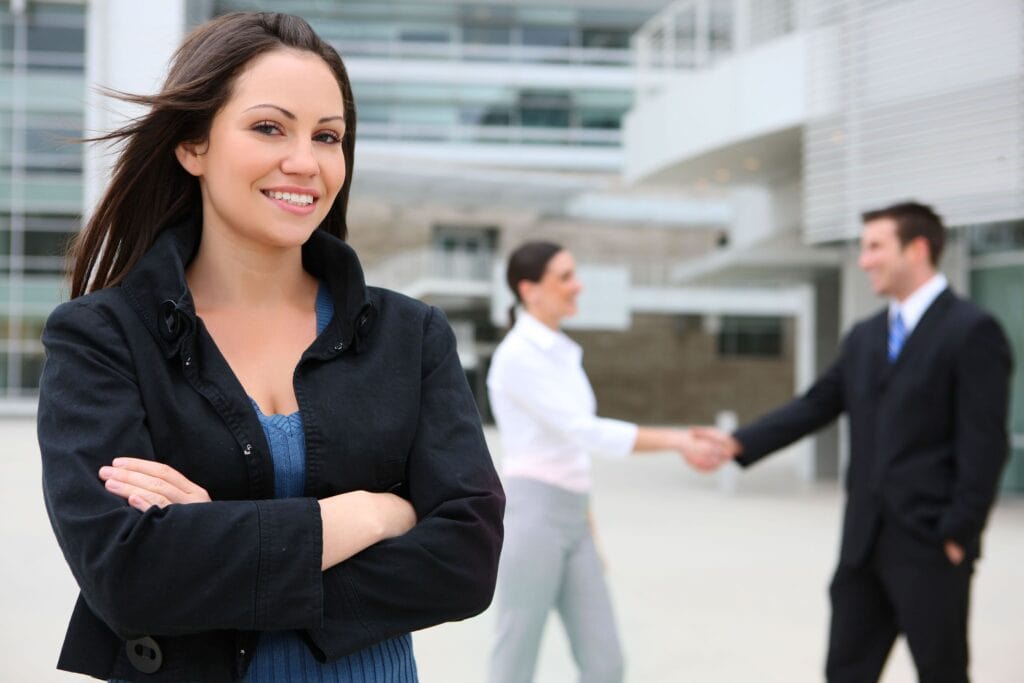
(983, 367)
(818, 406)
(445, 567)
(177, 570)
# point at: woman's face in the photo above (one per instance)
(554, 296)
(273, 163)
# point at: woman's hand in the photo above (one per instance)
(144, 483)
(356, 520)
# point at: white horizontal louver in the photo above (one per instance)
(915, 99)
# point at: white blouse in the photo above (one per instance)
(546, 411)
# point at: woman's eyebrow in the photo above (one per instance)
(292, 116)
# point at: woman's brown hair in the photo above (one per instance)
(528, 262)
(149, 190)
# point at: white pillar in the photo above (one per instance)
(804, 371)
(128, 46)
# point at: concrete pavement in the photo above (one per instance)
(709, 586)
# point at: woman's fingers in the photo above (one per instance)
(166, 473)
(138, 498)
(155, 483)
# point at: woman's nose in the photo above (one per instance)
(301, 160)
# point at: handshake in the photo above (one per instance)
(707, 448)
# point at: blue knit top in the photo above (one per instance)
(283, 655)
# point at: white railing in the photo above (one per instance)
(514, 135)
(693, 34)
(447, 269)
(417, 270)
(470, 52)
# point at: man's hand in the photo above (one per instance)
(954, 551)
(727, 444)
(704, 450)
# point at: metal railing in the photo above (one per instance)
(470, 52)
(403, 271)
(692, 34)
(514, 135)
(457, 270)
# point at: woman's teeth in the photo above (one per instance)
(291, 197)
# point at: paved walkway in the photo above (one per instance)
(709, 586)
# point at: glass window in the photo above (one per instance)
(425, 114)
(31, 370)
(487, 35)
(605, 38)
(6, 38)
(743, 336)
(544, 117)
(56, 39)
(476, 115)
(539, 15)
(996, 237)
(371, 112)
(52, 223)
(544, 109)
(425, 34)
(608, 119)
(32, 328)
(47, 243)
(547, 36)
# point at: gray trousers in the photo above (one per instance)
(549, 562)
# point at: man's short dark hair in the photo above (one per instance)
(914, 220)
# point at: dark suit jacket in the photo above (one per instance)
(928, 436)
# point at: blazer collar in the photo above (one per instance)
(156, 288)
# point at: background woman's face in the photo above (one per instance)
(273, 163)
(554, 296)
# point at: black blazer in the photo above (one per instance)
(928, 436)
(130, 370)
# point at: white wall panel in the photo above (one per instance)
(916, 99)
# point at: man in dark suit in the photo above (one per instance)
(925, 385)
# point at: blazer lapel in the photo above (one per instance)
(879, 336)
(925, 328)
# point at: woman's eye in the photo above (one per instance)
(327, 136)
(266, 127)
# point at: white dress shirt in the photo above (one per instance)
(546, 411)
(913, 307)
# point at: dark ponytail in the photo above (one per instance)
(528, 262)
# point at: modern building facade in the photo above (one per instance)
(483, 124)
(821, 110)
(42, 65)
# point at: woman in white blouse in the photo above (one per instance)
(546, 415)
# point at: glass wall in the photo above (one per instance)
(997, 281)
(474, 107)
(41, 112)
(490, 114)
(571, 33)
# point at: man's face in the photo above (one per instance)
(887, 263)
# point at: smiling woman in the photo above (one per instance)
(258, 468)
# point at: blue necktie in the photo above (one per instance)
(897, 335)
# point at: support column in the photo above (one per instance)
(127, 50)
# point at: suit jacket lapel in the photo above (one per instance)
(879, 336)
(925, 328)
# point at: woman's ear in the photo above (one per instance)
(190, 157)
(526, 289)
